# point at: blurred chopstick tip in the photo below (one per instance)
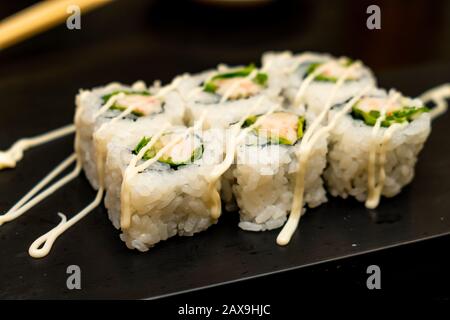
(40, 17)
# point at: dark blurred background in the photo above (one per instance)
(148, 40)
(163, 38)
(142, 39)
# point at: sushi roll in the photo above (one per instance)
(96, 112)
(308, 79)
(373, 150)
(271, 138)
(173, 195)
(266, 166)
(226, 94)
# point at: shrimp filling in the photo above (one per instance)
(368, 109)
(335, 70)
(237, 84)
(142, 102)
(279, 127)
(184, 152)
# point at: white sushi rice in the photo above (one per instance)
(260, 184)
(222, 114)
(88, 102)
(318, 92)
(348, 156)
(265, 179)
(164, 202)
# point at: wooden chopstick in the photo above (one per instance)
(40, 17)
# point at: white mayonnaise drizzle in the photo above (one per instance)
(133, 169)
(221, 68)
(312, 129)
(300, 59)
(236, 84)
(10, 157)
(214, 196)
(237, 134)
(310, 78)
(373, 190)
(171, 87)
(100, 145)
(374, 193)
(438, 95)
(23, 206)
(194, 92)
(53, 174)
(309, 139)
(42, 246)
(111, 101)
(297, 205)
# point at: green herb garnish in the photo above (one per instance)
(122, 108)
(300, 128)
(249, 121)
(141, 144)
(320, 77)
(275, 138)
(196, 154)
(405, 114)
(106, 97)
(261, 78)
(117, 107)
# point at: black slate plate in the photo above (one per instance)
(221, 254)
(39, 93)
